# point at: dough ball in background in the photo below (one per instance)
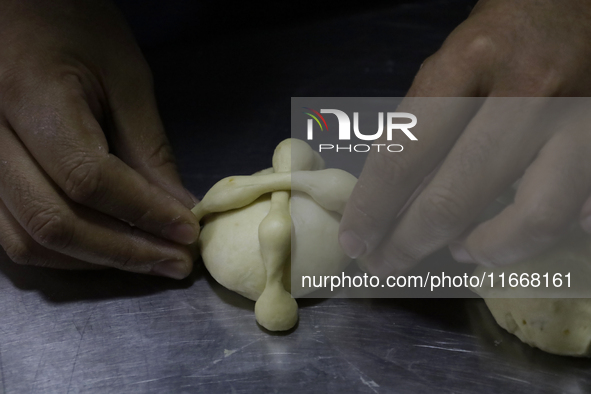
(559, 326)
(554, 319)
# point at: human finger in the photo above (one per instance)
(23, 250)
(547, 203)
(473, 174)
(388, 180)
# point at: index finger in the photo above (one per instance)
(389, 180)
(442, 99)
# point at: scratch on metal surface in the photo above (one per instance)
(148, 312)
(372, 387)
(445, 348)
(369, 383)
(280, 353)
(195, 309)
(78, 350)
(447, 333)
(328, 313)
(358, 329)
(228, 353)
(389, 351)
(515, 379)
(39, 366)
(324, 357)
(154, 380)
(103, 379)
(195, 341)
(220, 381)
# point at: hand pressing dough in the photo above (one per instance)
(252, 223)
(556, 325)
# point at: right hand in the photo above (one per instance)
(71, 79)
(405, 207)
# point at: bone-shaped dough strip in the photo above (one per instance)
(239, 191)
(330, 188)
(276, 309)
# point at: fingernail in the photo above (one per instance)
(183, 233)
(459, 253)
(172, 269)
(352, 245)
(586, 224)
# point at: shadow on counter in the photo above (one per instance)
(67, 286)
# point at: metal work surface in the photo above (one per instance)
(225, 103)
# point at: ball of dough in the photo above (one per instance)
(554, 319)
(230, 246)
(560, 326)
(303, 209)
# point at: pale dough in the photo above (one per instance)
(560, 326)
(555, 325)
(253, 225)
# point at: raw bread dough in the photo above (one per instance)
(558, 325)
(252, 223)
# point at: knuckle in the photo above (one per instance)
(162, 156)
(478, 48)
(543, 224)
(468, 50)
(67, 75)
(82, 179)
(429, 61)
(70, 81)
(442, 211)
(539, 82)
(49, 227)
(433, 62)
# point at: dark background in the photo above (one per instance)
(224, 76)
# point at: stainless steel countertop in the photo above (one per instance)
(113, 332)
(225, 102)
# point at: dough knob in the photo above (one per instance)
(276, 309)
